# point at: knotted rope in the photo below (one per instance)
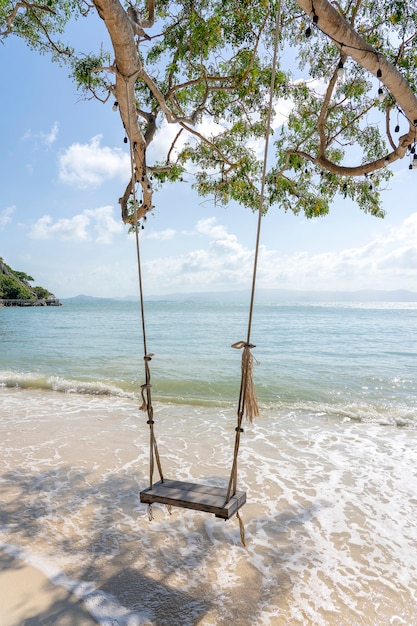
(248, 403)
(247, 397)
(146, 387)
(248, 400)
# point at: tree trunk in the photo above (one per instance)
(128, 67)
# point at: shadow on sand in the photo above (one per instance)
(139, 572)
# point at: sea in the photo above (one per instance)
(329, 467)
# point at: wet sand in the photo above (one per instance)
(29, 598)
(330, 518)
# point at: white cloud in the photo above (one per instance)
(282, 110)
(386, 263)
(6, 216)
(163, 235)
(100, 276)
(209, 227)
(73, 229)
(222, 243)
(163, 140)
(209, 257)
(96, 225)
(222, 262)
(89, 165)
(48, 138)
(104, 223)
(408, 230)
(209, 127)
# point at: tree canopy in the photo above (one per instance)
(205, 67)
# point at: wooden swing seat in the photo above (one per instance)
(194, 496)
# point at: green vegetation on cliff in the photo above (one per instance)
(15, 285)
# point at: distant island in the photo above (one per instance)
(16, 290)
(274, 296)
(266, 296)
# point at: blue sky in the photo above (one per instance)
(64, 165)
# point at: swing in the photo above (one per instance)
(194, 496)
(222, 502)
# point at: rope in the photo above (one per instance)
(242, 529)
(146, 387)
(247, 396)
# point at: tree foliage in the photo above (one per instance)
(205, 66)
(14, 285)
(11, 289)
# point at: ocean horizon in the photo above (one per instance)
(269, 296)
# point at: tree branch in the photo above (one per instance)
(337, 28)
(28, 7)
(343, 170)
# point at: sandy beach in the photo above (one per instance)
(329, 519)
(29, 598)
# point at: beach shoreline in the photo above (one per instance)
(329, 517)
(27, 595)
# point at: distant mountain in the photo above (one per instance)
(83, 298)
(288, 295)
(267, 296)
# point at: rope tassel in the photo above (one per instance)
(241, 530)
(248, 397)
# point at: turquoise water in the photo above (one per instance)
(357, 360)
(329, 467)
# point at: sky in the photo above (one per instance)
(64, 165)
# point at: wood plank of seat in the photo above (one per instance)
(194, 496)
